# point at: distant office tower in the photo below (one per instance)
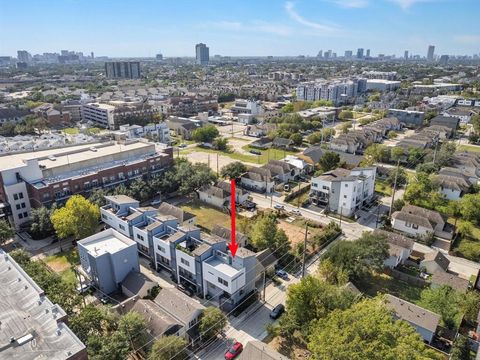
(348, 54)
(328, 54)
(92, 55)
(360, 53)
(320, 54)
(202, 54)
(23, 56)
(431, 53)
(444, 59)
(405, 55)
(159, 57)
(122, 70)
(368, 53)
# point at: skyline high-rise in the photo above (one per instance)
(431, 53)
(122, 70)
(202, 54)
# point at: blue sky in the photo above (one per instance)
(240, 27)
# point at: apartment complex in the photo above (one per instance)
(122, 70)
(202, 54)
(168, 238)
(338, 91)
(344, 191)
(247, 107)
(32, 327)
(113, 114)
(33, 179)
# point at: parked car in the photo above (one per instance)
(185, 289)
(277, 311)
(278, 207)
(249, 205)
(282, 274)
(296, 212)
(156, 202)
(286, 187)
(182, 145)
(255, 152)
(234, 351)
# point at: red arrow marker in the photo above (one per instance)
(233, 246)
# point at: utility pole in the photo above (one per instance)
(217, 165)
(394, 188)
(304, 250)
(298, 197)
(264, 285)
(435, 151)
(81, 284)
(378, 213)
(208, 161)
(341, 210)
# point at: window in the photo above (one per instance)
(129, 173)
(185, 262)
(344, 196)
(25, 214)
(161, 249)
(407, 224)
(223, 282)
(17, 206)
(112, 178)
(20, 216)
(23, 205)
(20, 195)
(415, 226)
(15, 196)
(325, 187)
(140, 237)
(121, 226)
(346, 185)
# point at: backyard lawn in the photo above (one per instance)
(382, 187)
(62, 264)
(474, 148)
(468, 247)
(207, 217)
(385, 284)
(71, 131)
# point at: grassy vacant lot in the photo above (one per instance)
(272, 154)
(474, 148)
(382, 187)
(71, 131)
(299, 199)
(385, 284)
(469, 246)
(207, 217)
(62, 263)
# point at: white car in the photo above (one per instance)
(296, 212)
(278, 207)
(156, 202)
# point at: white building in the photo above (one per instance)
(344, 191)
(382, 85)
(247, 107)
(98, 113)
(107, 258)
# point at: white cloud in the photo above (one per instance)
(290, 8)
(351, 4)
(405, 4)
(253, 26)
(468, 39)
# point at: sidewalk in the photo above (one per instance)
(153, 275)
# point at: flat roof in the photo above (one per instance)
(220, 266)
(30, 318)
(107, 241)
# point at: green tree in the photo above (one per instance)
(114, 346)
(401, 175)
(212, 322)
(469, 207)
(461, 349)
(220, 143)
(376, 153)
(281, 243)
(309, 300)
(233, 170)
(345, 115)
(329, 272)
(140, 190)
(205, 134)
(444, 301)
(97, 197)
(6, 231)
(133, 325)
(169, 348)
(329, 161)
(91, 320)
(358, 258)
(264, 231)
(78, 218)
(470, 306)
(475, 121)
(396, 153)
(366, 330)
(41, 226)
(297, 139)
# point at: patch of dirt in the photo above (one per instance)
(59, 265)
(295, 233)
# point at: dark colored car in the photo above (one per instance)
(234, 351)
(186, 290)
(277, 311)
(282, 274)
(249, 205)
(255, 152)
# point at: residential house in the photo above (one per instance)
(226, 233)
(408, 117)
(53, 116)
(282, 143)
(257, 350)
(137, 284)
(183, 127)
(469, 164)
(399, 248)
(184, 217)
(343, 191)
(313, 154)
(449, 121)
(436, 264)
(219, 195)
(424, 321)
(262, 143)
(258, 179)
(107, 258)
(417, 221)
(281, 171)
(12, 115)
(301, 166)
(453, 185)
(184, 310)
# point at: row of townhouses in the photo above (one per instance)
(169, 239)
